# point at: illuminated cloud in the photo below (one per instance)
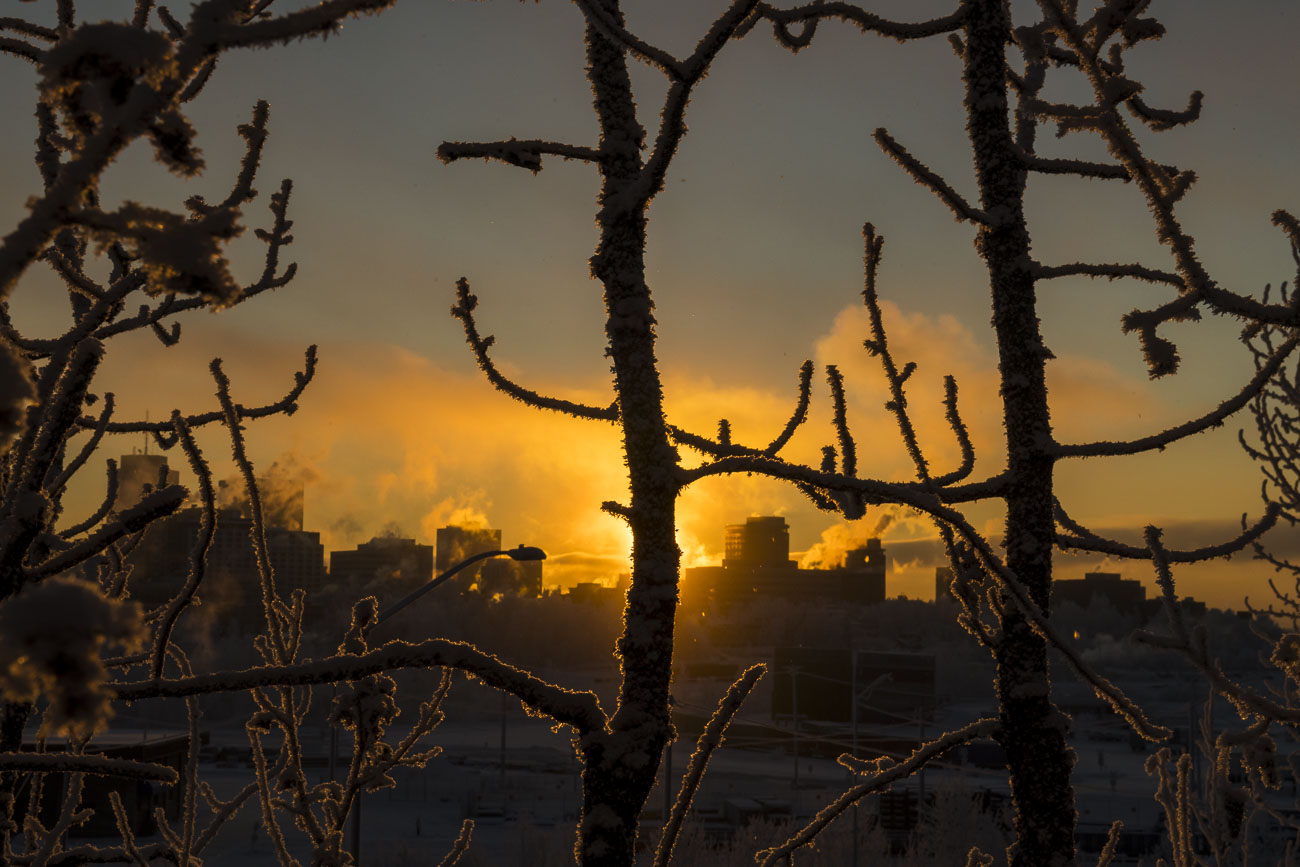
(386, 440)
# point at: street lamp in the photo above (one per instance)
(522, 553)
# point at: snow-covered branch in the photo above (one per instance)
(710, 739)
(1214, 418)
(1080, 538)
(672, 125)
(198, 556)
(609, 23)
(524, 153)
(1192, 644)
(286, 405)
(884, 773)
(926, 177)
(578, 709)
(1109, 271)
(89, 763)
(150, 508)
(460, 846)
(811, 14)
(463, 310)
(723, 446)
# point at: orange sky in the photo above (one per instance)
(754, 259)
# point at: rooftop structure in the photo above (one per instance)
(757, 564)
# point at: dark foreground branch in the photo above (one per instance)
(884, 775)
(578, 709)
(64, 763)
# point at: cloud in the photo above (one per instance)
(385, 436)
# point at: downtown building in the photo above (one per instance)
(497, 576)
(388, 566)
(231, 591)
(756, 564)
(393, 567)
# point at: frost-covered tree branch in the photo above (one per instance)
(466, 302)
(64, 595)
(811, 14)
(153, 79)
(884, 773)
(710, 739)
(581, 710)
(524, 154)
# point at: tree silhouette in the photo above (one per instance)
(104, 85)
(1005, 596)
(73, 639)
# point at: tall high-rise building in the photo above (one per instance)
(454, 544)
(458, 543)
(759, 542)
(137, 473)
(231, 588)
(497, 576)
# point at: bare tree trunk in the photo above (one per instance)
(620, 771)
(1032, 730)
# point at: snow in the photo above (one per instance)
(51, 638)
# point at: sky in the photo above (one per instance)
(754, 259)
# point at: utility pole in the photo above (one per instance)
(521, 553)
(920, 742)
(853, 723)
(334, 733)
(505, 698)
(794, 712)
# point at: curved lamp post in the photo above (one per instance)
(522, 553)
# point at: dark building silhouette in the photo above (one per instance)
(455, 544)
(594, 593)
(231, 590)
(1153, 609)
(757, 564)
(497, 576)
(757, 543)
(387, 566)
(137, 473)
(1126, 596)
(502, 576)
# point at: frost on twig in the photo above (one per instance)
(924, 176)
(466, 302)
(524, 154)
(811, 14)
(883, 774)
(103, 86)
(460, 846)
(111, 83)
(1079, 537)
(64, 763)
(710, 739)
(578, 709)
